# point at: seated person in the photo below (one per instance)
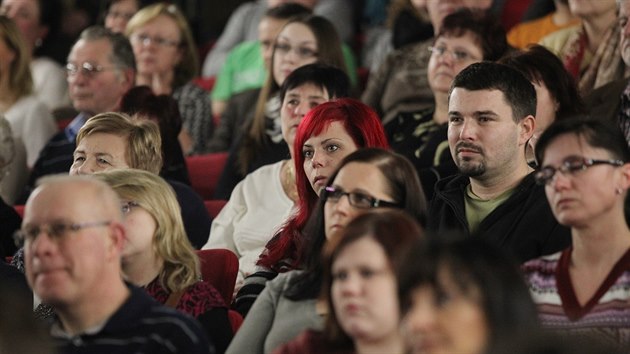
(73, 237)
(582, 291)
(157, 255)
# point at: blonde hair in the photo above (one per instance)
(188, 67)
(144, 144)
(20, 79)
(170, 243)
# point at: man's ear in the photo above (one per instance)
(527, 126)
(117, 239)
(129, 78)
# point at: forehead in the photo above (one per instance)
(361, 175)
(95, 51)
(466, 39)
(162, 23)
(270, 26)
(624, 7)
(22, 4)
(334, 130)
(365, 251)
(308, 89)
(107, 143)
(297, 32)
(571, 144)
(65, 200)
(470, 101)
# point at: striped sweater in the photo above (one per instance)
(605, 317)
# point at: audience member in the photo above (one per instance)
(370, 179)
(400, 83)
(31, 121)
(245, 66)
(557, 96)
(9, 218)
(325, 136)
(591, 51)
(582, 291)
(162, 110)
(611, 102)
(96, 311)
(167, 62)
(494, 196)
(359, 287)
(101, 68)
(531, 32)
(243, 26)
(255, 129)
(113, 141)
(462, 295)
(118, 13)
(157, 255)
(262, 201)
(39, 21)
(466, 36)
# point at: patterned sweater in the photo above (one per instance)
(604, 318)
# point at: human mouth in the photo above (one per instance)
(320, 180)
(467, 149)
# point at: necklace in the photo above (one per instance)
(288, 180)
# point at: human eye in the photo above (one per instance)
(103, 161)
(454, 119)
(293, 102)
(29, 233)
(332, 148)
(573, 166)
(307, 153)
(306, 52)
(366, 272)
(362, 200)
(442, 298)
(439, 50)
(57, 229)
(623, 20)
(315, 103)
(543, 176)
(340, 275)
(78, 159)
(484, 119)
(282, 47)
(461, 55)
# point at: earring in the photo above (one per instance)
(618, 190)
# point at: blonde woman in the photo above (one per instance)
(158, 255)
(166, 59)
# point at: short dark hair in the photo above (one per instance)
(487, 29)
(596, 133)
(334, 80)
(517, 91)
(288, 10)
(476, 267)
(540, 65)
(122, 54)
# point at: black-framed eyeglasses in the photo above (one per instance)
(457, 55)
(86, 68)
(145, 40)
(55, 231)
(128, 206)
(570, 167)
(356, 199)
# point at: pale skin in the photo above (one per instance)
(594, 211)
(482, 132)
(79, 277)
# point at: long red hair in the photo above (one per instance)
(366, 130)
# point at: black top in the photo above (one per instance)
(10, 222)
(523, 225)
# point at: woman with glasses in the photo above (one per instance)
(255, 128)
(583, 290)
(167, 61)
(366, 180)
(465, 37)
(157, 255)
(359, 287)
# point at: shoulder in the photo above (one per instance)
(452, 183)
(189, 89)
(556, 40)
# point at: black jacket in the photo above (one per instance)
(523, 225)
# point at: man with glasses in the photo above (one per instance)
(73, 237)
(101, 68)
(494, 196)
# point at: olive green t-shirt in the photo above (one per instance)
(477, 209)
